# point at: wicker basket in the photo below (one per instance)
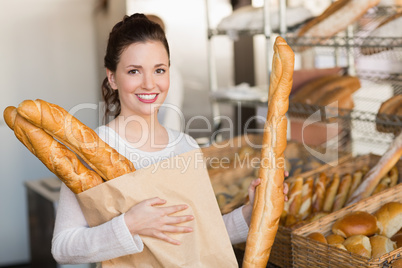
(310, 253)
(281, 253)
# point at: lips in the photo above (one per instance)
(147, 97)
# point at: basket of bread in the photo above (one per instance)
(365, 234)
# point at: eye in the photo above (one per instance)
(133, 71)
(160, 71)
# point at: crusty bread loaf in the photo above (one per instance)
(310, 88)
(337, 17)
(381, 245)
(307, 195)
(63, 126)
(294, 201)
(376, 173)
(355, 223)
(319, 192)
(331, 191)
(269, 198)
(54, 155)
(317, 237)
(382, 185)
(393, 174)
(358, 244)
(356, 180)
(335, 239)
(389, 218)
(385, 29)
(342, 193)
(390, 107)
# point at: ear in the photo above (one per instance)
(111, 78)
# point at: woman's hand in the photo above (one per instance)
(247, 209)
(147, 219)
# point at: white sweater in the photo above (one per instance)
(74, 242)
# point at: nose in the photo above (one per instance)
(148, 81)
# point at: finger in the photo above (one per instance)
(254, 183)
(285, 188)
(179, 219)
(164, 237)
(286, 173)
(155, 201)
(177, 229)
(173, 209)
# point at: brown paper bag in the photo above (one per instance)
(182, 179)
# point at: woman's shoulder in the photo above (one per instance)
(181, 139)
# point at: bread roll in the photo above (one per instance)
(389, 218)
(381, 245)
(355, 223)
(318, 237)
(269, 198)
(54, 155)
(335, 239)
(331, 193)
(397, 263)
(337, 17)
(376, 173)
(340, 246)
(319, 193)
(397, 238)
(57, 122)
(342, 193)
(358, 244)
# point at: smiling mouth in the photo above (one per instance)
(147, 98)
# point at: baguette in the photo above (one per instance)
(382, 185)
(393, 175)
(269, 197)
(295, 200)
(337, 17)
(390, 107)
(319, 193)
(343, 190)
(376, 173)
(356, 180)
(57, 122)
(307, 194)
(54, 155)
(312, 86)
(331, 193)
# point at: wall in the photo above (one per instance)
(47, 51)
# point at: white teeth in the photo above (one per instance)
(146, 96)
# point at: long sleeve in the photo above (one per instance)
(74, 242)
(236, 226)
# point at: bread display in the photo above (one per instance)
(336, 18)
(52, 134)
(269, 198)
(54, 155)
(376, 173)
(56, 121)
(356, 223)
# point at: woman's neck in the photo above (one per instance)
(143, 133)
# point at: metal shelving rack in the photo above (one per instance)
(349, 44)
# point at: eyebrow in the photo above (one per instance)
(140, 66)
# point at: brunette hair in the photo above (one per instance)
(132, 29)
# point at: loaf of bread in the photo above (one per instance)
(307, 195)
(331, 191)
(358, 244)
(397, 238)
(54, 155)
(355, 223)
(319, 192)
(337, 17)
(390, 107)
(389, 218)
(386, 28)
(356, 180)
(269, 197)
(310, 88)
(63, 126)
(294, 201)
(342, 193)
(381, 245)
(376, 173)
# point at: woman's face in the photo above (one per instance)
(142, 78)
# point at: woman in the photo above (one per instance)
(137, 67)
